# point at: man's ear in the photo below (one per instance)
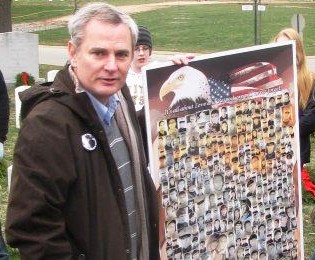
(72, 53)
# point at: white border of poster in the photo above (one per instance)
(223, 148)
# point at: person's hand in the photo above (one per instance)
(182, 59)
(1, 151)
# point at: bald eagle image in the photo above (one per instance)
(189, 85)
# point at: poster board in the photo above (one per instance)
(223, 149)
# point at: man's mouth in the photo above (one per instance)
(108, 80)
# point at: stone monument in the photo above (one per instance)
(18, 52)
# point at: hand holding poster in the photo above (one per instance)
(224, 155)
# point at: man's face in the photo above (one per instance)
(173, 195)
(172, 124)
(162, 126)
(238, 228)
(215, 118)
(271, 249)
(102, 61)
(171, 228)
(271, 102)
(193, 119)
(248, 226)
(186, 241)
(141, 56)
(222, 243)
(170, 211)
(254, 242)
(232, 251)
(286, 114)
(217, 182)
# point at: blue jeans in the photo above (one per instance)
(313, 257)
(3, 249)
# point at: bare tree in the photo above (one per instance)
(5, 16)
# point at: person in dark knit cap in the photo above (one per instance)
(142, 53)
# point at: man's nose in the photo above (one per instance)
(111, 63)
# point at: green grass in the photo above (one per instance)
(220, 27)
(309, 231)
(209, 28)
(31, 13)
(35, 10)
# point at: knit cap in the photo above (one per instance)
(144, 37)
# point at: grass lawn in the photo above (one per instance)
(209, 28)
(34, 10)
(30, 13)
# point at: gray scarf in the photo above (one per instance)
(127, 129)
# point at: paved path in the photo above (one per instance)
(58, 56)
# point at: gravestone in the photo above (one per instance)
(51, 75)
(9, 172)
(18, 104)
(18, 52)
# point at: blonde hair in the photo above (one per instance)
(305, 77)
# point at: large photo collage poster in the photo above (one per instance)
(223, 148)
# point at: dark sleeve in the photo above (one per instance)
(4, 109)
(142, 123)
(42, 175)
(307, 118)
(153, 215)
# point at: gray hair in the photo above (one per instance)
(101, 12)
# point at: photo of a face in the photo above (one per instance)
(287, 115)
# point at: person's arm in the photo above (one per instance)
(307, 119)
(4, 113)
(43, 171)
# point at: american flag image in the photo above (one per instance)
(219, 89)
(247, 79)
(254, 77)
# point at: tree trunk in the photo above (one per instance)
(5, 16)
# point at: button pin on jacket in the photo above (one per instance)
(89, 142)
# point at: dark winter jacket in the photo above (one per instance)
(307, 126)
(67, 202)
(4, 109)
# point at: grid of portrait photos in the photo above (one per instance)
(227, 185)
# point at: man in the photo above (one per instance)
(80, 189)
(162, 128)
(4, 123)
(215, 127)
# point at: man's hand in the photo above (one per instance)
(1, 151)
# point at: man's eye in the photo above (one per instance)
(97, 53)
(122, 55)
